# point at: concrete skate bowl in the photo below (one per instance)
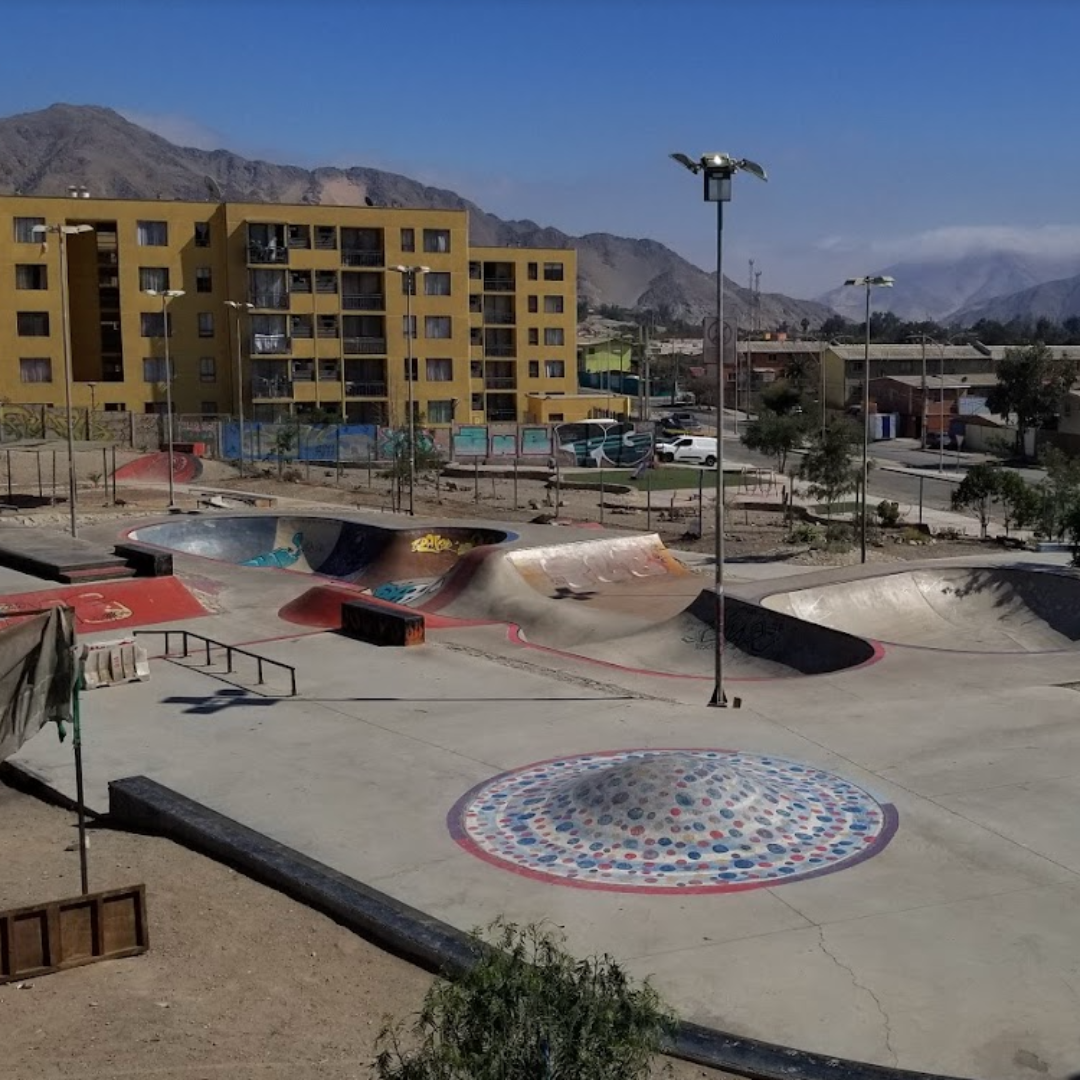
(960, 609)
(404, 561)
(759, 643)
(154, 469)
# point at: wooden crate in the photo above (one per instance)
(43, 938)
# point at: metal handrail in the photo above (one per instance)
(210, 644)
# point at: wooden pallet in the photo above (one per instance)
(43, 938)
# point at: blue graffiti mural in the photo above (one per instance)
(594, 443)
(281, 557)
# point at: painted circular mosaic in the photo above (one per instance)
(671, 820)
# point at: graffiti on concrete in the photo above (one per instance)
(402, 592)
(35, 422)
(753, 631)
(281, 557)
(573, 570)
(436, 544)
(593, 443)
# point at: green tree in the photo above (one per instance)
(979, 489)
(776, 434)
(426, 459)
(529, 1009)
(284, 444)
(828, 467)
(1031, 383)
(1058, 493)
(1020, 501)
(781, 397)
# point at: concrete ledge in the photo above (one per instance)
(141, 804)
(145, 560)
(381, 624)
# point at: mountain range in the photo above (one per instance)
(43, 152)
(996, 285)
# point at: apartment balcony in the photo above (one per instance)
(275, 301)
(500, 350)
(500, 382)
(501, 416)
(364, 346)
(270, 344)
(363, 302)
(365, 389)
(493, 317)
(362, 257)
(261, 254)
(498, 284)
(276, 388)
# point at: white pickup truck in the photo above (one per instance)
(688, 449)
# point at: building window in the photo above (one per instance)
(326, 237)
(32, 323)
(554, 335)
(31, 276)
(437, 241)
(440, 412)
(437, 326)
(476, 271)
(534, 336)
(532, 274)
(553, 271)
(553, 305)
(534, 304)
(154, 369)
(408, 239)
(534, 369)
(300, 236)
(414, 366)
(207, 369)
(152, 234)
(554, 369)
(476, 369)
(555, 417)
(35, 369)
(300, 281)
(202, 233)
(154, 278)
(24, 230)
(408, 326)
(440, 370)
(206, 324)
(150, 324)
(436, 284)
(326, 281)
(208, 408)
(204, 279)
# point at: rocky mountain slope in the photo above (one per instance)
(43, 152)
(1054, 300)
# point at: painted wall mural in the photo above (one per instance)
(593, 443)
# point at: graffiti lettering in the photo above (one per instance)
(401, 592)
(434, 544)
(280, 557)
(570, 569)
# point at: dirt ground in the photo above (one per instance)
(240, 983)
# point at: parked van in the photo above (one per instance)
(690, 450)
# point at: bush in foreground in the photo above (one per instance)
(529, 1009)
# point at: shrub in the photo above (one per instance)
(803, 532)
(839, 537)
(914, 536)
(292, 475)
(529, 1009)
(888, 513)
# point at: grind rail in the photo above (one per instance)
(209, 644)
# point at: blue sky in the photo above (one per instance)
(889, 129)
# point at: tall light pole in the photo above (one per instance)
(240, 307)
(882, 281)
(409, 274)
(718, 169)
(166, 295)
(62, 233)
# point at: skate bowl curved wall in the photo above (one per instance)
(329, 547)
(962, 609)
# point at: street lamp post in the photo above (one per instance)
(166, 295)
(62, 233)
(240, 307)
(717, 171)
(869, 282)
(409, 275)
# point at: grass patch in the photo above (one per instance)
(677, 478)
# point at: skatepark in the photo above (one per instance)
(873, 858)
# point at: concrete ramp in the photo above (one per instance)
(969, 609)
(758, 644)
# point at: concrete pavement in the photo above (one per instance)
(956, 948)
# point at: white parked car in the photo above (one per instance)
(689, 449)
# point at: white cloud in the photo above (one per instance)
(956, 241)
(178, 129)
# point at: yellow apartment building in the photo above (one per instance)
(330, 329)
